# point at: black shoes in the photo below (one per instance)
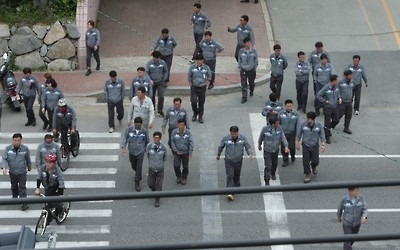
(314, 170)
(157, 202)
(244, 1)
(24, 207)
(183, 182)
(98, 66)
(34, 122)
(28, 123)
(244, 99)
(293, 158)
(273, 176)
(266, 182)
(88, 72)
(251, 93)
(194, 117)
(160, 114)
(45, 126)
(178, 180)
(201, 119)
(137, 186)
(328, 140)
(347, 131)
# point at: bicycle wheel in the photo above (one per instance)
(75, 150)
(66, 206)
(41, 223)
(64, 158)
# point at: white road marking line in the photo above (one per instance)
(62, 229)
(73, 244)
(83, 146)
(85, 171)
(68, 184)
(87, 158)
(332, 156)
(81, 134)
(277, 222)
(304, 211)
(73, 213)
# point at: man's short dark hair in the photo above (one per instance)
(234, 129)
(352, 188)
(277, 46)
(319, 44)
(333, 78)
(113, 73)
(300, 53)
(142, 89)
(357, 57)
(245, 18)
(311, 115)
(141, 69)
(347, 72)
(177, 99)
(17, 135)
(288, 101)
(273, 97)
(208, 33)
(138, 120)
(182, 120)
(156, 54)
(273, 118)
(27, 70)
(157, 133)
(48, 136)
(165, 31)
(247, 39)
(323, 56)
(199, 57)
(197, 5)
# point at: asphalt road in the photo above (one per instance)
(254, 216)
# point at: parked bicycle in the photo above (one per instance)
(48, 214)
(68, 148)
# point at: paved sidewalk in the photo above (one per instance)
(126, 45)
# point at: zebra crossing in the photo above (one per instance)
(92, 171)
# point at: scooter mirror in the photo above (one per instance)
(5, 56)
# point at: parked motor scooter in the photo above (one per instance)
(9, 84)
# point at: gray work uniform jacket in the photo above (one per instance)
(329, 96)
(271, 107)
(358, 74)
(346, 90)
(278, 64)
(114, 92)
(52, 181)
(157, 155)
(210, 49)
(17, 161)
(198, 76)
(172, 116)
(50, 98)
(42, 89)
(302, 71)
(136, 139)
(28, 86)
(248, 59)
(322, 73)
(45, 149)
(314, 58)
(242, 33)
(311, 135)
(290, 122)
(351, 210)
(92, 38)
(141, 82)
(200, 22)
(143, 109)
(157, 71)
(272, 138)
(67, 120)
(234, 149)
(182, 143)
(165, 46)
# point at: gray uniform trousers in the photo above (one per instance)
(233, 170)
(347, 245)
(270, 163)
(310, 157)
(155, 179)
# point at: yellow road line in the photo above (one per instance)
(391, 22)
(368, 21)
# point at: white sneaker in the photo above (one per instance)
(111, 130)
(357, 112)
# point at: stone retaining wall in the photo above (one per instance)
(53, 47)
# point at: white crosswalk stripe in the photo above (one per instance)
(95, 148)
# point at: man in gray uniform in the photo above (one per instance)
(248, 63)
(16, 161)
(200, 23)
(141, 80)
(199, 76)
(322, 73)
(136, 138)
(272, 106)
(48, 147)
(210, 48)
(114, 92)
(310, 133)
(28, 86)
(353, 211)
(358, 75)
(92, 46)
(272, 137)
(346, 86)
(166, 45)
(157, 155)
(50, 99)
(141, 106)
(302, 72)
(42, 90)
(243, 30)
(314, 59)
(289, 120)
(278, 65)
(329, 96)
(172, 116)
(234, 145)
(182, 147)
(158, 72)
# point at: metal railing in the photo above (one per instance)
(223, 191)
